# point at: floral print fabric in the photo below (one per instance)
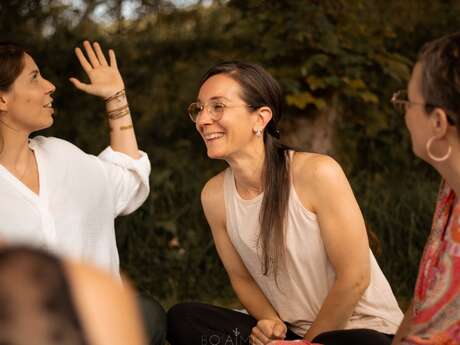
(436, 303)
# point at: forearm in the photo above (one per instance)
(253, 299)
(404, 327)
(122, 135)
(336, 309)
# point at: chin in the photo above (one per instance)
(215, 154)
(45, 125)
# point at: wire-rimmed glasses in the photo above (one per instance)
(215, 109)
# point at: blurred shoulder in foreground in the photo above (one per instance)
(45, 300)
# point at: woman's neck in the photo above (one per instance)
(450, 171)
(247, 168)
(14, 147)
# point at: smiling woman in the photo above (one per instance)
(286, 226)
(27, 103)
(53, 195)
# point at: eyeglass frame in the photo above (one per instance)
(207, 105)
(395, 100)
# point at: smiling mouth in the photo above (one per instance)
(213, 136)
(48, 105)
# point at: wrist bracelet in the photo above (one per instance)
(118, 113)
(116, 95)
(119, 116)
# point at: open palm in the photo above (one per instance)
(105, 79)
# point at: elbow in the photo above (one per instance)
(239, 280)
(356, 283)
(361, 283)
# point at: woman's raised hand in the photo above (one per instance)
(105, 79)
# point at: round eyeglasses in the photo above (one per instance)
(400, 101)
(215, 109)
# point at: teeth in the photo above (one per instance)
(49, 105)
(211, 136)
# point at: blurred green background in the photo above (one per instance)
(338, 62)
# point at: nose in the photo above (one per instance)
(49, 86)
(204, 117)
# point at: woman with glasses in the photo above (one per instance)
(53, 195)
(432, 114)
(286, 226)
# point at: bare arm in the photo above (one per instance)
(106, 82)
(404, 327)
(108, 311)
(247, 290)
(323, 187)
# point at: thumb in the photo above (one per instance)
(79, 85)
(279, 330)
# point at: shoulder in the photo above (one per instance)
(213, 189)
(213, 200)
(315, 168)
(54, 144)
(103, 305)
(316, 178)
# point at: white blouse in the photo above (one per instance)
(80, 196)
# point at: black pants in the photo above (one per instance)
(154, 319)
(203, 324)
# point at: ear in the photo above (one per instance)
(440, 123)
(3, 103)
(264, 115)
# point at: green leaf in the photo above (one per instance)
(302, 99)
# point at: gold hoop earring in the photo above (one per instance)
(432, 156)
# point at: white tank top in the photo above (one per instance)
(305, 282)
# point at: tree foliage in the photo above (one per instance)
(338, 63)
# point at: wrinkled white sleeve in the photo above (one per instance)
(128, 178)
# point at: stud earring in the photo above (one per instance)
(258, 132)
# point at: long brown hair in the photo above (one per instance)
(11, 66)
(260, 89)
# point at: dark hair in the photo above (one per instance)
(36, 299)
(260, 89)
(11, 64)
(440, 85)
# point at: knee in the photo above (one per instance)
(326, 338)
(180, 322)
(178, 314)
(154, 317)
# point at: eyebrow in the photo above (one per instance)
(215, 98)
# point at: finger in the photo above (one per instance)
(257, 333)
(255, 341)
(84, 63)
(279, 331)
(100, 54)
(266, 328)
(275, 342)
(79, 85)
(91, 55)
(113, 59)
